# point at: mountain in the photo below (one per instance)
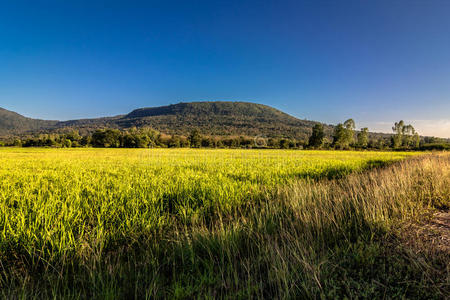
(13, 123)
(213, 118)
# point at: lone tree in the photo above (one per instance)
(316, 138)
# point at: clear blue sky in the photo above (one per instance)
(374, 61)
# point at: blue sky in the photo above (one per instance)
(374, 61)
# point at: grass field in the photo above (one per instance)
(184, 223)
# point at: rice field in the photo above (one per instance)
(55, 198)
(66, 210)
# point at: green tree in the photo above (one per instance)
(284, 144)
(195, 139)
(349, 131)
(363, 137)
(398, 134)
(86, 141)
(108, 138)
(50, 142)
(339, 137)
(404, 135)
(17, 143)
(316, 138)
(207, 142)
(66, 143)
(135, 139)
(343, 134)
(416, 140)
(73, 136)
(408, 133)
(174, 142)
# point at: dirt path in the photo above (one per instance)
(433, 235)
(439, 230)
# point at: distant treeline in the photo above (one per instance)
(344, 137)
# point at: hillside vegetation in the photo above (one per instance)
(219, 118)
(211, 118)
(13, 123)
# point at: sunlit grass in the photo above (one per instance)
(66, 210)
(52, 196)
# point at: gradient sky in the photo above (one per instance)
(375, 61)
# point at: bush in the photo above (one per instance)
(435, 146)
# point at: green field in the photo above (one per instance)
(108, 223)
(60, 198)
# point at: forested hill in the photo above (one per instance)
(13, 123)
(219, 118)
(211, 118)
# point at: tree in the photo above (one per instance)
(398, 136)
(416, 140)
(66, 143)
(85, 140)
(408, 133)
(135, 139)
(73, 136)
(349, 124)
(17, 143)
(404, 135)
(106, 138)
(363, 137)
(339, 137)
(219, 144)
(316, 138)
(50, 142)
(343, 134)
(207, 142)
(195, 139)
(284, 144)
(349, 131)
(174, 142)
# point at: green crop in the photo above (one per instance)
(60, 207)
(57, 200)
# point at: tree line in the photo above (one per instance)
(344, 137)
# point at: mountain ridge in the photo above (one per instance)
(14, 123)
(210, 117)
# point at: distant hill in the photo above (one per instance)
(13, 123)
(219, 118)
(213, 118)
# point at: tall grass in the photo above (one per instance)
(218, 224)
